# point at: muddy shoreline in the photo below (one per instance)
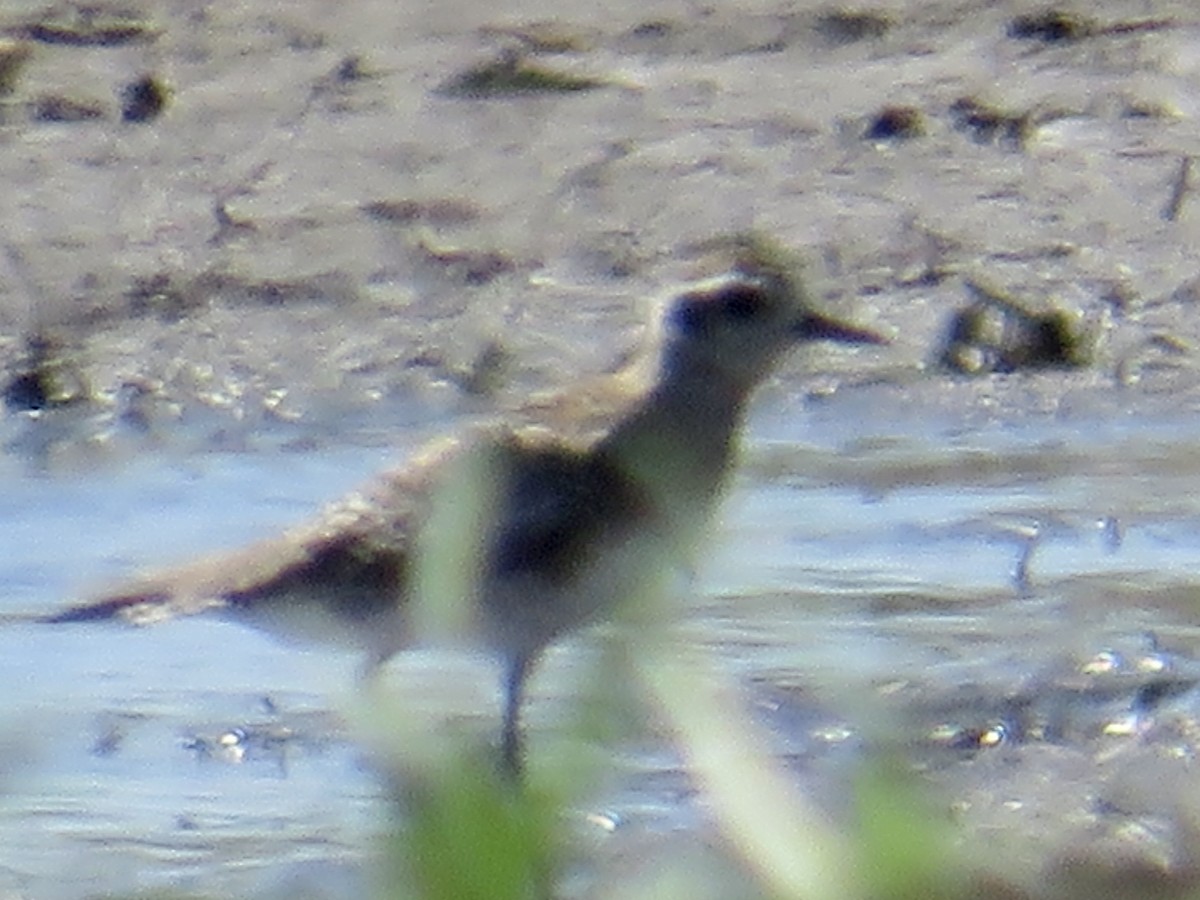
(312, 190)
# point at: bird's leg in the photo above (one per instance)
(367, 673)
(511, 745)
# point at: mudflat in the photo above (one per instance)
(309, 213)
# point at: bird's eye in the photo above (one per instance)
(688, 315)
(741, 303)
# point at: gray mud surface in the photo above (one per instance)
(317, 227)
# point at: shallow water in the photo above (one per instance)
(842, 567)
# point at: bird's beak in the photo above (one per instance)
(817, 327)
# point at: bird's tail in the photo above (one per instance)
(138, 608)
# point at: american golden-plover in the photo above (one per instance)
(571, 529)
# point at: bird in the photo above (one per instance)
(569, 528)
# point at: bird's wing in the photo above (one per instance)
(352, 558)
(557, 506)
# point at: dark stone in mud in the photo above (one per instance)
(144, 100)
(996, 333)
(896, 123)
(44, 379)
(1051, 25)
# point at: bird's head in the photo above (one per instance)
(740, 324)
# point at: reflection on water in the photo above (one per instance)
(848, 579)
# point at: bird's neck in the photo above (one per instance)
(678, 442)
